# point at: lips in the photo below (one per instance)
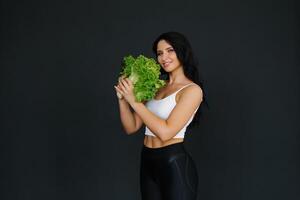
(166, 64)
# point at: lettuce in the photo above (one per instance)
(144, 73)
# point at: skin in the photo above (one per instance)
(164, 129)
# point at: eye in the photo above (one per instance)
(170, 50)
(158, 53)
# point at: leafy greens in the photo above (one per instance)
(144, 73)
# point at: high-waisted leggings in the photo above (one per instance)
(168, 173)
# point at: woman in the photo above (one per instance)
(167, 171)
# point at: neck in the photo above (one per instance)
(176, 77)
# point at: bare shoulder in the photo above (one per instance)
(191, 91)
(194, 87)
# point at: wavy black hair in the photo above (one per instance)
(186, 57)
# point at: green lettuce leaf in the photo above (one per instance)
(144, 73)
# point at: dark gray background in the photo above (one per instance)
(61, 136)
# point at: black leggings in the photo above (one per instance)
(168, 173)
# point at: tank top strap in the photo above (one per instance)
(183, 87)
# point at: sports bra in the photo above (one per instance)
(163, 107)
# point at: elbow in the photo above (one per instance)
(164, 138)
(166, 135)
(130, 131)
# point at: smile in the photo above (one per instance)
(166, 64)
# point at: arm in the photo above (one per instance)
(130, 120)
(165, 129)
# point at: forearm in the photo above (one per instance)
(157, 125)
(127, 117)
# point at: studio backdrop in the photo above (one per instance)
(60, 132)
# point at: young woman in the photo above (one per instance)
(167, 171)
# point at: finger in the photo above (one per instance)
(118, 90)
(119, 84)
(121, 77)
(122, 86)
(119, 95)
(125, 83)
(129, 82)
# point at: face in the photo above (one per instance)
(166, 56)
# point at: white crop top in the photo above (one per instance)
(163, 107)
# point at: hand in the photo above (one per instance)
(125, 88)
(119, 95)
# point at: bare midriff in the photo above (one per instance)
(155, 142)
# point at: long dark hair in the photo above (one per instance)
(185, 55)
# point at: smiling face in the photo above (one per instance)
(166, 56)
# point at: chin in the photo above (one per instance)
(167, 69)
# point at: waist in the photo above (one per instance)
(155, 142)
(171, 149)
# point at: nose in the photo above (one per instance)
(164, 56)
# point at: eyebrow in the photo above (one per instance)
(166, 49)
